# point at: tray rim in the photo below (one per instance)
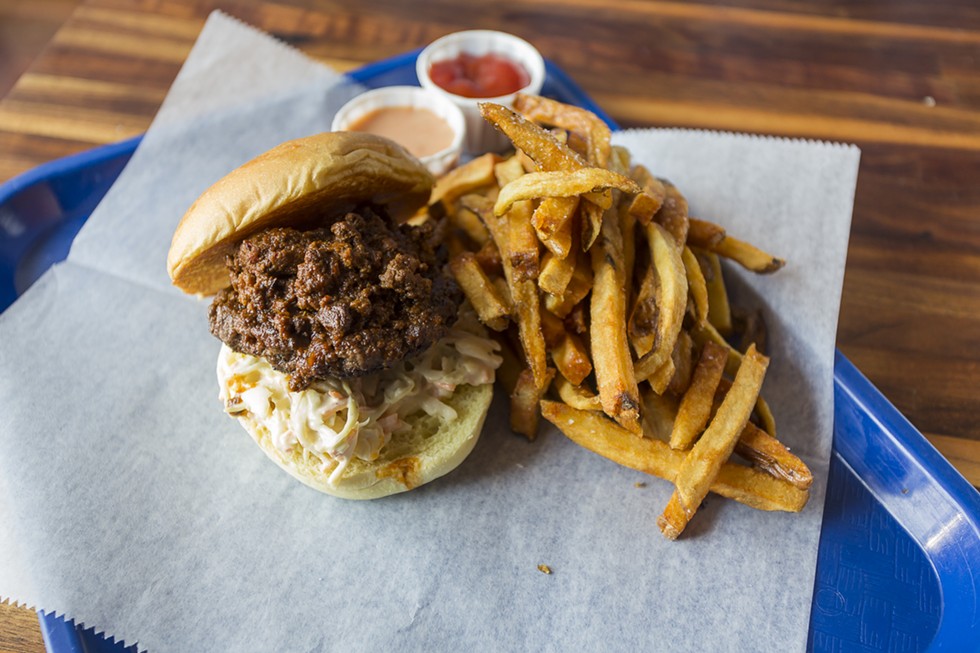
(908, 445)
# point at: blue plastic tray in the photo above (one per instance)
(899, 559)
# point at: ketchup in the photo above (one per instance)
(488, 75)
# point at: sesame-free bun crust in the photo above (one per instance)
(430, 449)
(317, 176)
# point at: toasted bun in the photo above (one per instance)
(430, 449)
(322, 175)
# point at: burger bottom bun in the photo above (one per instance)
(430, 449)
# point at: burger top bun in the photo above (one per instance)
(322, 175)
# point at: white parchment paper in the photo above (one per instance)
(130, 503)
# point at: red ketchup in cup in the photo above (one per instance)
(484, 76)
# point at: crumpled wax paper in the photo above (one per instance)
(130, 503)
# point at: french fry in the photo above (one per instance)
(695, 407)
(591, 430)
(659, 413)
(769, 454)
(528, 314)
(591, 224)
(553, 221)
(522, 242)
(610, 348)
(696, 284)
(576, 396)
(766, 419)
(704, 234)
(490, 308)
(646, 204)
(642, 324)
(719, 310)
(709, 453)
(526, 305)
(673, 213)
(489, 259)
(464, 179)
(578, 288)
(552, 214)
(468, 222)
(683, 359)
(511, 367)
(524, 403)
(748, 256)
(547, 152)
(507, 170)
(575, 119)
(666, 257)
(535, 185)
(571, 359)
(556, 273)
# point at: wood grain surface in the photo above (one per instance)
(900, 78)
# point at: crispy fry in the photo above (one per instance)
(468, 222)
(511, 367)
(610, 348)
(590, 429)
(646, 204)
(540, 145)
(704, 234)
(508, 170)
(571, 359)
(524, 403)
(490, 308)
(556, 273)
(552, 214)
(748, 256)
(766, 419)
(709, 453)
(672, 279)
(591, 224)
(576, 396)
(683, 359)
(642, 325)
(696, 404)
(578, 287)
(553, 221)
(526, 305)
(704, 333)
(488, 257)
(535, 185)
(719, 310)
(673, 213)
(696, 284)
(465, 179)
(575, 119)
(528, 313)
(770, 455)
(659, 413)
(503, 292)
(522, 242)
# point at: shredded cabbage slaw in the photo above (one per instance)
(334, 421)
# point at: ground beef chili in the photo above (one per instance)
(339, 301)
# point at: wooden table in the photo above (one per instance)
(900, 78)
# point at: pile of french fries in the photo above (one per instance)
(611, 306)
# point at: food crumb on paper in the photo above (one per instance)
(544, 569)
